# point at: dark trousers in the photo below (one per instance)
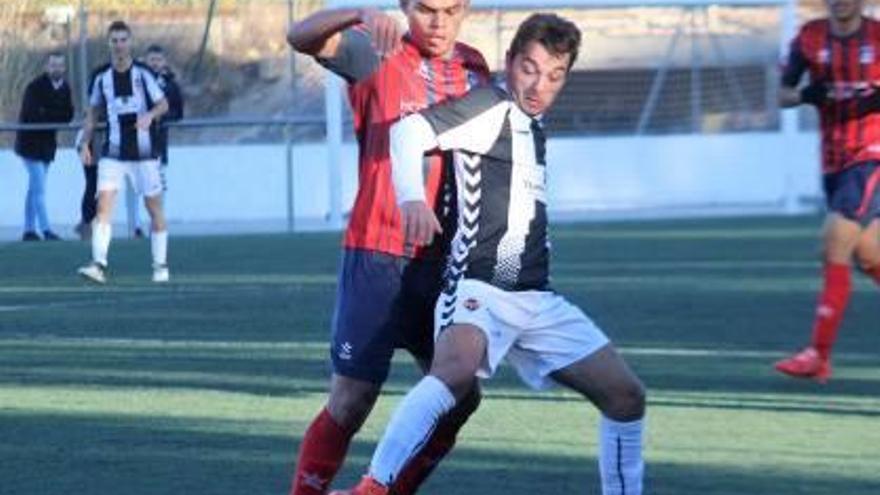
(89, 199)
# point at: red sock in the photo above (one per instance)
(422, 464)
(321, 454)
(441, 442)
(831, 306)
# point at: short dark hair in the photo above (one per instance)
(559, 36)
(154, 48)
(118, 26)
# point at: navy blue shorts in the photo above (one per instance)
(855, 192)
(383, 302)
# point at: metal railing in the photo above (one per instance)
(288, 124)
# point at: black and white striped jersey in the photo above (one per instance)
(499, 157)
(125, 96)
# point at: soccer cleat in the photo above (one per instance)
(806, 364)
(94, 272)
(367, 486)
(29, 236)
(51, 236)
(161, 274)
(138, 233)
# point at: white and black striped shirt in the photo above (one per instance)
(126, 96)
(499, 156)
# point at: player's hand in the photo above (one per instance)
(815, 93)
(85, 154)
(145, 121)
(420, 224)
(385, 32)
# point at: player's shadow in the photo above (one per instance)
(171, 454)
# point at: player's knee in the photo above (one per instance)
(868, 259)
(457, 372)
(350, 406)
(626, 402)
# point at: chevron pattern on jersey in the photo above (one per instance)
(470, 174)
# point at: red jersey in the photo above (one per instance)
(381, 91)
(848, 66)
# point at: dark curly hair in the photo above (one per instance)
(559, 36)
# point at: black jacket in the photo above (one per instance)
(168, 83)
(42, 104)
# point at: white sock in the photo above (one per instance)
(410, 427)
(159, 244)
(620, 457)
(101, 234)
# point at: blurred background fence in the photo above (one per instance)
(670, 110)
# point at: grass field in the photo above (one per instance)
(205, 386)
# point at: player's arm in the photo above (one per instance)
(145, 120)
(789, 95)
(320, 35)
(470, 123)
(411, 138)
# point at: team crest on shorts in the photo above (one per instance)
(471, 304)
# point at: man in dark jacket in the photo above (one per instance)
(47, 100)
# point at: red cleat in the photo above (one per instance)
(367, 486)
(806, 364)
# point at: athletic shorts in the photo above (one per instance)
(144, 176)
(383, 302)
(855, 192)
(539, 332)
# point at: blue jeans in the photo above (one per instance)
(35, 200)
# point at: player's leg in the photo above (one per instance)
(361, 351)
(133, 211)
(88, 204)
(459, 352)
(868, 251)
(560, 343)
(325, 442)
(149, 184)
(841, 236)
(111, 175)
(605, 379)
(422, 281)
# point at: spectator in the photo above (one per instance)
(47, 100)
(89, 203)
(167, 80)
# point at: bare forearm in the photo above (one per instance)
(316, 34)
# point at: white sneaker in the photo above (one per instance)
(161, 274)
(94, 272)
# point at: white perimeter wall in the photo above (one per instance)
(243, 187)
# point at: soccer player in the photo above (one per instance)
(841, 55)
(497, 301)
(133, 102)
(386, 289)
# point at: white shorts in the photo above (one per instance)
(144, 176)
(539, 332)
